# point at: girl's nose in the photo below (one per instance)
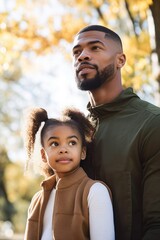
(63, 150)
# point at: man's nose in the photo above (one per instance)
(84, 56)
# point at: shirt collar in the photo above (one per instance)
(64, 182)
(116, 105)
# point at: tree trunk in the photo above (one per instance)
(155, 9)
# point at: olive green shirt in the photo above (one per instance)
(127, 158)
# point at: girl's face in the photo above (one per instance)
(63, 149)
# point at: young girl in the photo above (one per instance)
(70, 206)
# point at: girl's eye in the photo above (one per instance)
(54, 144)
(71, 143)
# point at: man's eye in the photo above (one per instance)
(76, 52)
(95, 47)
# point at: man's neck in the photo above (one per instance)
(104, 95)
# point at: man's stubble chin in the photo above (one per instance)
(88, 84)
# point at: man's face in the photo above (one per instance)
(94, 58)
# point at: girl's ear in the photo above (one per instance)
(43, 155)
(83, 154)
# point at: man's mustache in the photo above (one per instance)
(86, 64)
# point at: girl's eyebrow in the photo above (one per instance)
(89, 43)
(72, 136)
(69, 137)
(52, 138)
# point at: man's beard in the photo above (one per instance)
(93, 83)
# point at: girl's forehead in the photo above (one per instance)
(62, 130)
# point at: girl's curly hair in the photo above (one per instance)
(70, 117)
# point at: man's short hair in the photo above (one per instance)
(108, 32)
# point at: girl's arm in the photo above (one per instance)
(101, 220)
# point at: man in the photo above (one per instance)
(127, 139)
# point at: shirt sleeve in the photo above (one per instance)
(150, 158)
(101, 222)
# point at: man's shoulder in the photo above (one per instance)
(146, 106)
(153, 109)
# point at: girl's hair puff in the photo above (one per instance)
(83, 125)
(33, 119)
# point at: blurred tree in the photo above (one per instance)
(131, 19)
(20, 189)
(155, 8)
(6, 207)
(16, 191)
(22, 30)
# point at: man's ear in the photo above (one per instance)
(83, 154)
(43, 155)
(121, 60)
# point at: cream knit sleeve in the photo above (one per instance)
(101, 220)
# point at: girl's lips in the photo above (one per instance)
(64, 160)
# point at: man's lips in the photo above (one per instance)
(84, 67)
